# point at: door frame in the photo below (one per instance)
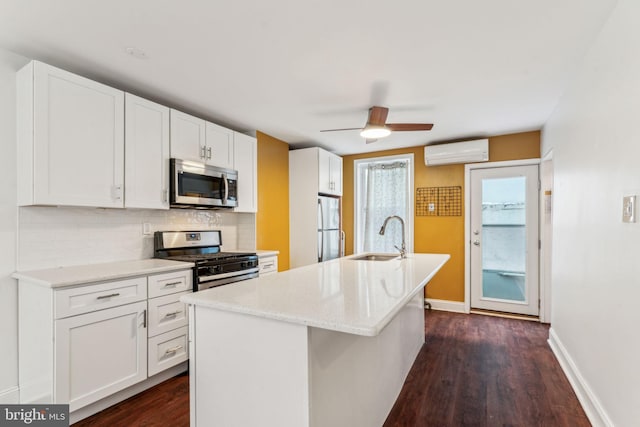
(467, 226)
(546, 235)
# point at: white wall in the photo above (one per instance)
(43, 237)
(9, 64)
(595, 136)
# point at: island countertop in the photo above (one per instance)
(353, 296)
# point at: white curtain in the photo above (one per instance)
(385, 189)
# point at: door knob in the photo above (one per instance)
(476, 242)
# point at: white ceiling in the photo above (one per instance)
(290, 68)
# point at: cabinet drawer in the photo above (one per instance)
(170, 283)
(268, 265)
(84, 299)
(167, 350)
(167, 313)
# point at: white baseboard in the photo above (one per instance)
(10, 396)
(590, 403)
(445, 305)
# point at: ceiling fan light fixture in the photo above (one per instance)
(375, 132)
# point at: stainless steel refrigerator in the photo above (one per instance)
(329, 235)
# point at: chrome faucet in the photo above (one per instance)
(403, 249)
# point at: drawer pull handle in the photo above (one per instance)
(172, 350)
(172, 284)
(173, 313)
(108, 296)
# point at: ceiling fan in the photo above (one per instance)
(376, 126)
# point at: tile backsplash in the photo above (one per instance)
(62, 236)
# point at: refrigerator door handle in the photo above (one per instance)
(342, 239)
(321, 236)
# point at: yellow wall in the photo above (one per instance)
(272, 219)
(439, 234)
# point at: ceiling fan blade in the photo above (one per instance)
(337, 130)
(370, 140)
(396, 127)
(377, 116)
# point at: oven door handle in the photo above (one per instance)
(230, 274)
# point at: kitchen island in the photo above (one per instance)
(328, 344)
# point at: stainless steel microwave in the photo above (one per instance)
(197, 185)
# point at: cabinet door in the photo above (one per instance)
(147, 154)
(246, 163)
(335, 172)
(219, 150)
(187, 137)
(78, 140)
(324, 167)
(99, 353)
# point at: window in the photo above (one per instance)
(384, 187)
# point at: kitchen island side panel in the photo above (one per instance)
(355, 380)
(251, 371)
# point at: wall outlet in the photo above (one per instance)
(146, 228)
(629, 209)
(432, 207)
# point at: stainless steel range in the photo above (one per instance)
(213, 267)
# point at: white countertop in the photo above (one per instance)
(82, 274)
(356, 297)
(265, 253)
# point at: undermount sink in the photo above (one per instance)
(375, 257)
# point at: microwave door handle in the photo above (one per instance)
(226, 189)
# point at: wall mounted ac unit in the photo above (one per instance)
(457, 152)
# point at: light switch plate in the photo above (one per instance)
(629, 209)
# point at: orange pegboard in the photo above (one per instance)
(439, 201)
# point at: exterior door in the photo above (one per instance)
(504, 239)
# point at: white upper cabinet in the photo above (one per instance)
(195, 139)
(220, 142)
(246, 163)
(70, 139)
(188, 135)
(329, 173)
(146, 154)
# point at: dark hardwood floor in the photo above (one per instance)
(473, 371)
(166, 405)
(477, 370)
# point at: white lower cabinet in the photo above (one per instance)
(168, 320)
(80, 344)
(100, 353)
(268, 264)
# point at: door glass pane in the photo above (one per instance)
(504, 238)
